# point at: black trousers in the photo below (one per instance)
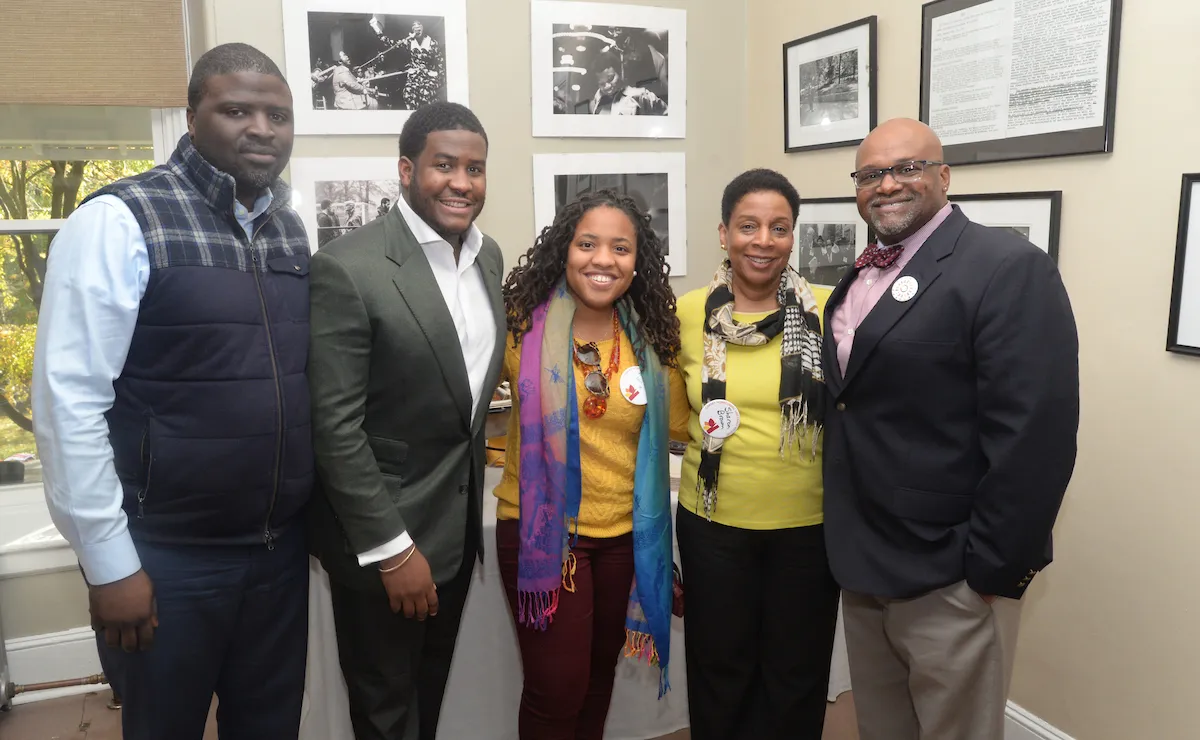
(233, 620)
(761, 609)
(396, 668)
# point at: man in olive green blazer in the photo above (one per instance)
(407, 340)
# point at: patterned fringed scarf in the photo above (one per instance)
(801, 384)
(551, 483)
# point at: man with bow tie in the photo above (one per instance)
(952, 363)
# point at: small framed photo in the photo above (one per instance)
(829, 87)
(1183, 329)
(613, 71)
(363, 66)
(1033, 216)
(336, 195)
(829, 236)
(654, 181)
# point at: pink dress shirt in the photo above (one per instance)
(869, 286)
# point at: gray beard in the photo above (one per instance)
(896, 227)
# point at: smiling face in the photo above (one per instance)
(601, 258)
(447, 184)
(898, 210)
(759, 238)
(243, 126)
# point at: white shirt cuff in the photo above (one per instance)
(109, 561)
(386, 550)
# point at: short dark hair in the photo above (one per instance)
(434, 117)
(756, 181)
(605, 61)
(228, 59)
(326, 203)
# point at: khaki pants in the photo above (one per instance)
(936, 667)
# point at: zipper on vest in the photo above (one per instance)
(145, 489)
(268, 537)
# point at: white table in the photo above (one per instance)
(484, 693)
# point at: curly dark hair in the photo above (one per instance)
(757, 181)
(537, 272)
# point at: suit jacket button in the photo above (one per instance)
(462, 490)
(841, 407)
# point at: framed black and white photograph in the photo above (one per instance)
(616, 71)
(363, 66)
(829, 87)
(654, 181)
(1183, 328)
(336, 195)
(1004, 80)
(829, 236)
(1034, 216)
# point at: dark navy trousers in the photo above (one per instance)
(232, 621)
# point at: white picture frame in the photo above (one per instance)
(1183, 325)
(370, 27)
(547, 168)
(829, 90)
(1034, 216)
(631, 36)
(820, 220)
(364, 180)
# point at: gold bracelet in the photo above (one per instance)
(400, 565)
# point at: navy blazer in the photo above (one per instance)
(951, 439)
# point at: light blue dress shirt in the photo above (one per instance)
(96, 276)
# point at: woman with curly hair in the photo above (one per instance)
(584, 531)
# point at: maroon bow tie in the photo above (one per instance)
(879, 256)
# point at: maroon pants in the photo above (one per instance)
(570, 667)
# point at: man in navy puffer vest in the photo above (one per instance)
(172, 415)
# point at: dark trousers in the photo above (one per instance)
(570, 667)
(232, 621)
(761, 612)
(396, 668)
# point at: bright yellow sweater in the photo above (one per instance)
(607, 447)
(757, 488)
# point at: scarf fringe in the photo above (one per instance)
(536, 608)
(794, 420)
(640, 646)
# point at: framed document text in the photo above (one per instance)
(1183, 328)
(1020, 79)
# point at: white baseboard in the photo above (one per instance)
(1020, 724)
(57, 656)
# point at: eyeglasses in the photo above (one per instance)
(903, 172)
(595, 381)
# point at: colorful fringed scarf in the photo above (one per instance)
(551, 482)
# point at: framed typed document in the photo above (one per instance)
(1020, 79)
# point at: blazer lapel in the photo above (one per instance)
(419, 289)
(924, 268)
(833, 374)
(489, 266)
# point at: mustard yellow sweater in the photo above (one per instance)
(607, 447)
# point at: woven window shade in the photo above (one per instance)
(96, 52)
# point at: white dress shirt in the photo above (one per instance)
(467, 299)
(96, 276)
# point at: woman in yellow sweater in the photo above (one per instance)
(584, 537)
(761, 602)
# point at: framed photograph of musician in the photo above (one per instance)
(335, 195)
(654, 181)
(1033, 216)
(612, 71)
(1183, 328)
(363, 66)
(829, 87)
(829, 236)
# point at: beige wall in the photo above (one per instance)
(499, 71)
(1109, 647)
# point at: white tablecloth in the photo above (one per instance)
(484, 693)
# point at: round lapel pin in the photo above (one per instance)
(633, 387)
(720, 418)
(904, 289)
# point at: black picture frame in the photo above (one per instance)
(1095, 140)
(848, 207)
(1053, 199)
(1174, 343)
(861, 125)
